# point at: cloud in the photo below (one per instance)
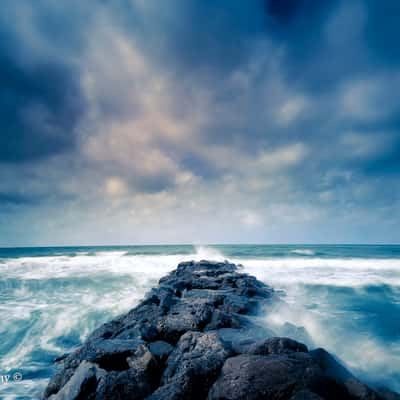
(41, 98)
(191, 119)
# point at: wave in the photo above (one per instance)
(345, 272)
(303, 252)
(208, 253)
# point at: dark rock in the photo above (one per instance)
(305, 395)
(221, 319)
(112, 354)
(360, 391)
(273, 377)
(82, 384)
(172, 391)
(276, 345)
(330, 365)
(185, 316)
(239, 340)
(195, 363)
(160, 350)
(388, 394)
(123, 385)
(143, 361)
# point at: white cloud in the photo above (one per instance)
(291, 110)
(370, 99)
(250, 218)
(366, 145)
(115, 186)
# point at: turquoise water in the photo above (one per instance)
(347, 297)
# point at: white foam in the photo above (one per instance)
(352, 272)
(304, 252)
(208, 253)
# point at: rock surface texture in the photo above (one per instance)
(196, 337)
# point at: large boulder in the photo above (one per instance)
(274, 377)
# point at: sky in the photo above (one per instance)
(199, 121)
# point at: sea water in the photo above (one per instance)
(347, 297)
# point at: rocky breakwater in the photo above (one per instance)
(196, 337)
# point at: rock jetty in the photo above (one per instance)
(196, 337)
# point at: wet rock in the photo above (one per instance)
(388, 394)
(161, 350)
(110, 355)
(360, 391)
(185, 316)
(253, 377)
(305, 395)
(276, 345)
(330, 365)
(123, 385)
(221, 319)
(195, 363)
(239, 340)
(82, 384)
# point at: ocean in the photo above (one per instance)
(346, 296)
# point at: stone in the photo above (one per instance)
(275, 377)
(195, 363)
(276, 345)
(82, 384)
(160, 350)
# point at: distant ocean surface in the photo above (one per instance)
(347, 297)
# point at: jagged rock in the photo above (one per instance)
(274, 377)
(121, 385)
(305, 395)
(196, 337)
(388, 394)
(276, 346)
(194, 364)
(82, 383)
(160, 350)
(184, 316)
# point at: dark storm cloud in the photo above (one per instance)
(39, 108)
(16, 199)
(41, 101)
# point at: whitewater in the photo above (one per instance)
(346, 297)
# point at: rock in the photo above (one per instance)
(123, 385)
(330, 365)
(196, 337)
(360, 391)
(195, 363)
(253, 377)
(110, 355)
(276, 345)
(82, 383)
(142, 361)
(239, 340)
(388, 394)
(184, 316)
(160, 350)
(305, 395)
